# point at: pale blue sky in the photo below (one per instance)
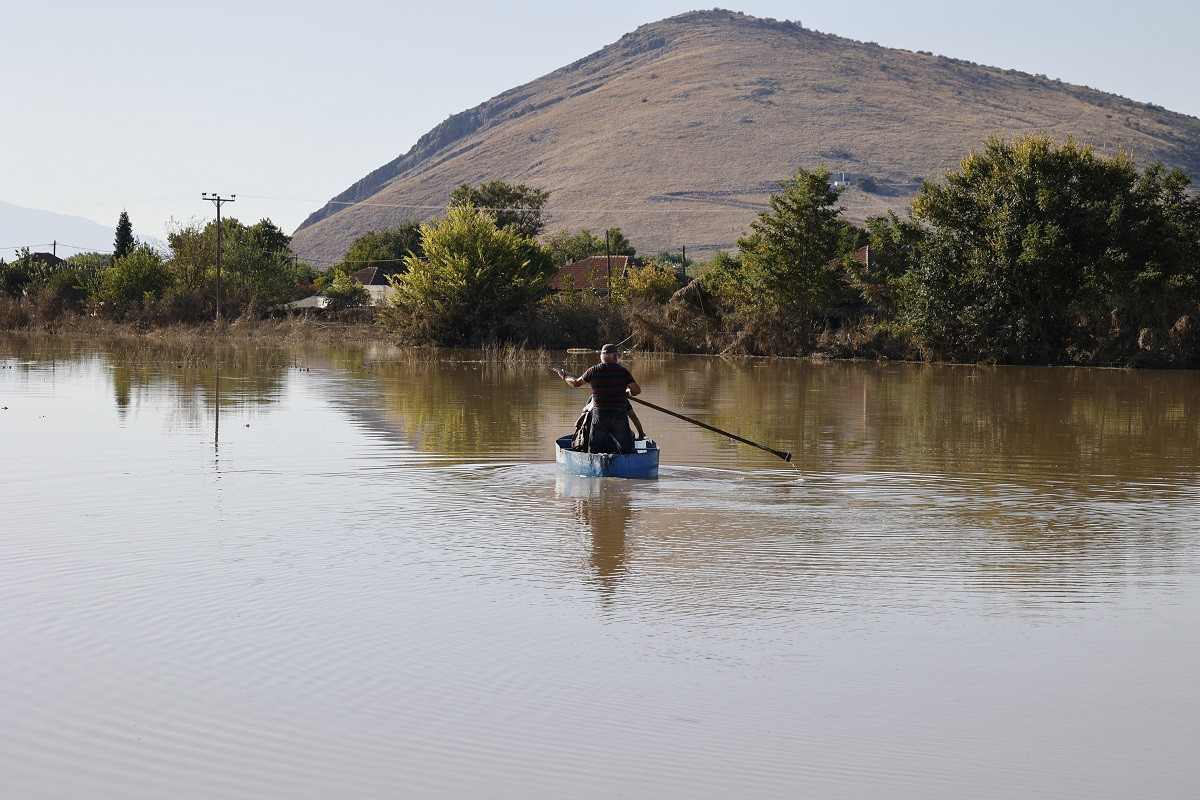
(144, 105)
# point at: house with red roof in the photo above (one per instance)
(593, 274)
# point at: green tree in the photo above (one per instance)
(387, 249)
(31, 271)
(193, 258)
(566, 247)
(784, 262)
(345, 292)
(893, 244)
(518, 208)
(133, 280)
(1033, 249)
(471, 279)
(16, 276)
(257, 266)
(722, 274)
(124, 243)
(1160, 281)
(618, 245)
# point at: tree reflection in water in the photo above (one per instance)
(190, 375)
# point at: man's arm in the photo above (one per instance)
(633, 389)
(571, 379)
(637, 423)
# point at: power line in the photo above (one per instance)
(549, 209)
(50, 244)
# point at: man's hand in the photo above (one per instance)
(571, 378)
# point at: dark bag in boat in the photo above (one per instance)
(583, 427)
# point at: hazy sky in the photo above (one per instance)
(143, 105)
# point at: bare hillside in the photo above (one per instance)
(679, 131)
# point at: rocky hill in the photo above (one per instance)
(679, 131)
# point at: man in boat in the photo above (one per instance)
(612, 385)
(583, 425)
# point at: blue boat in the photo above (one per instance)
(640, 464)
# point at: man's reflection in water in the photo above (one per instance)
(604, 506)
(123, 386)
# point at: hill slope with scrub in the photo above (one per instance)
(679, 131)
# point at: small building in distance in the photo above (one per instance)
(371, 276)
(863, 256)
(375, 281)
(592, 273)
(45, 259)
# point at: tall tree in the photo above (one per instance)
(387, 249)
(784, 261)
(618, 245)
(518, 208)
(260, 269)
(258, 266)
(566, 247)
(124, 243)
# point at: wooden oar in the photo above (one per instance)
(779, 453)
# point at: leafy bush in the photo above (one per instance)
(653, 282)
(14, 278)
(345, 292)
(67, 290)
(133, 281)
(472, 278)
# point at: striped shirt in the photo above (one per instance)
(608, 385)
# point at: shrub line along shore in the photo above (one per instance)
(1033, 252)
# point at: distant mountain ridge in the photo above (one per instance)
(38, 230)
(679, 131)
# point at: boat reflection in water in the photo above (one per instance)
(604, 507)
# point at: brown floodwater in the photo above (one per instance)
(236, 572)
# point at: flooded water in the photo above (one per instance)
(353, 573)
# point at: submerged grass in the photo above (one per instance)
(541, 337)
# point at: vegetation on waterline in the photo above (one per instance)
(1033, 251)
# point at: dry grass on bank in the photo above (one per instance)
(16, 317)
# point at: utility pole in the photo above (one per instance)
(608, 256)
(218, 201)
